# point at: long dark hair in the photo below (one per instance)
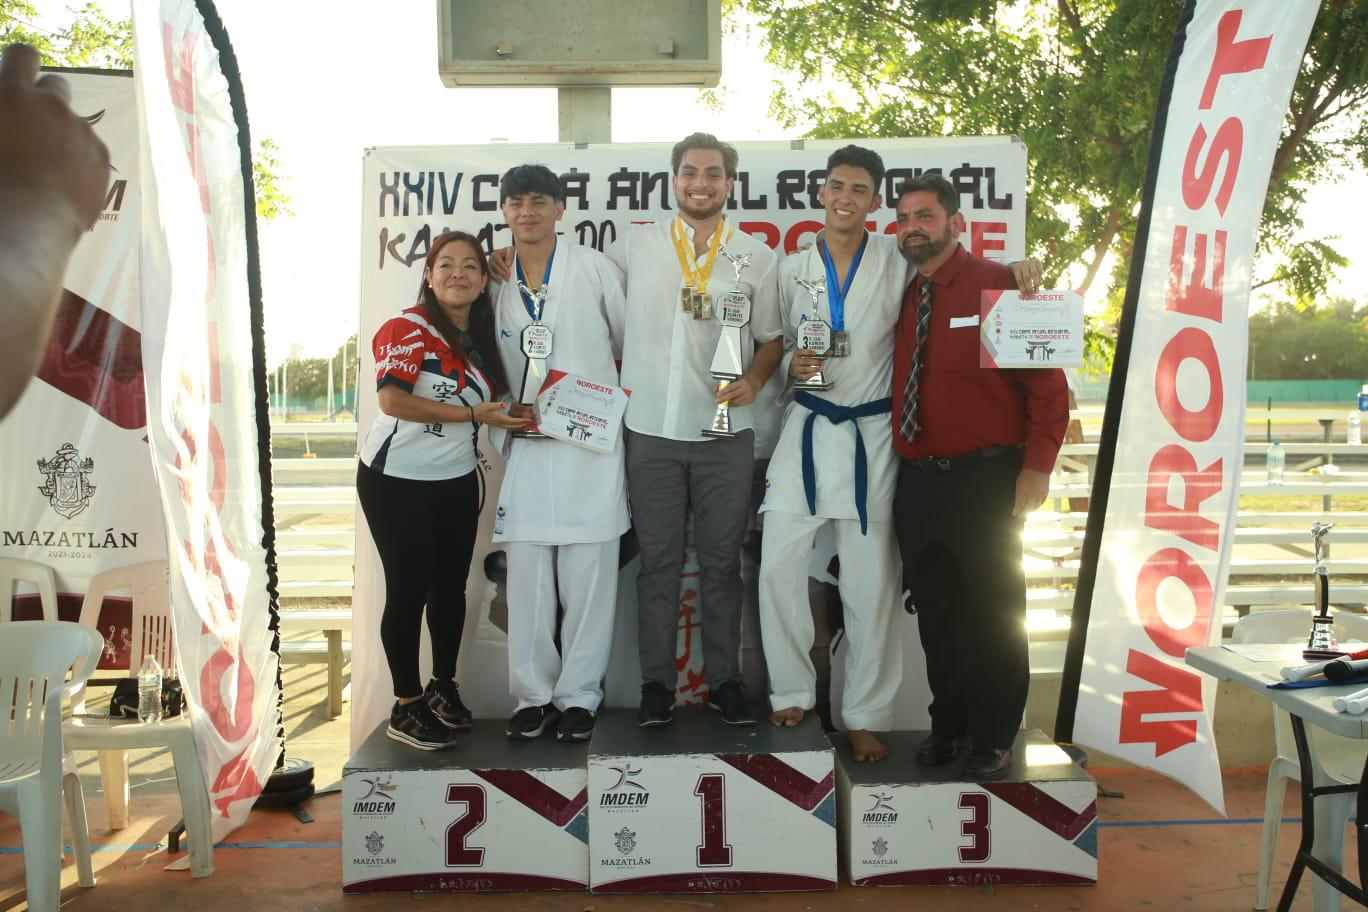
(481, 313)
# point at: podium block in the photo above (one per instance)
(487, 814)
(908, 825)
(698, 806)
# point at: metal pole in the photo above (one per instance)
(329, 408)
(585, 114)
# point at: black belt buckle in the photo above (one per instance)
(943, 464)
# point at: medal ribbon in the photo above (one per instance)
(836, 292)
(695, 276)
(535, 307)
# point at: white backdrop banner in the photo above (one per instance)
(75, 472)
(204, 392)
(410, 195)
(1175, 484)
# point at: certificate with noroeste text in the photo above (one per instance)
(580, 411)
(1045, 330)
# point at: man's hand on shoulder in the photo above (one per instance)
(501, 264)
(1032, 488)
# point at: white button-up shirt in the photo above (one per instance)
(667, 354)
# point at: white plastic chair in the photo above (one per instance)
(149, 587)
(14, 569)
(1338, 758)
(34, 659)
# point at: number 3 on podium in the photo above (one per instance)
(714, 851)
(975, 828)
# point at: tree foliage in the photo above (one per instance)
(91, 39)
(1328, 341)
(1078, 80)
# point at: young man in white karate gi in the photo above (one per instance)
(834, 463)
(562, 508)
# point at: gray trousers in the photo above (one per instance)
(664, 479)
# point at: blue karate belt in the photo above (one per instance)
(837, 414)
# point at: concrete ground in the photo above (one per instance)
(1160, 848)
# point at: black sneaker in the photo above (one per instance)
(530, 721)
(576, 724)
(415, 724)
(657, 705)
(730, 701)
(445, 699)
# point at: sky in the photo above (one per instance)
(325, 82)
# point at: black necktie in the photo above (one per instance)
(908, 423)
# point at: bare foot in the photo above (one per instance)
(865, 747)
(787, 717)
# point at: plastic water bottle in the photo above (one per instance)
(1363, 398)
(1355, 427)
(1275, 462)
(149, 690)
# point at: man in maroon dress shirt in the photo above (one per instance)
(977, 446)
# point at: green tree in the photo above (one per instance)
(1324, 342)
(92, 39)
(1078, 79)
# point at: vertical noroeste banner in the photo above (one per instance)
(207, 419)
(1172, 445)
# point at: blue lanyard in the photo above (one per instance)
(836, 293)
(534, 308)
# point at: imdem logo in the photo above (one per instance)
(626, 792)
(379, 799)
(880, 811)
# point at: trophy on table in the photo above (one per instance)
(733, 312)
(536, 346)
(1322, 643)
(814, 334)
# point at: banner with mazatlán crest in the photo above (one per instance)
(76, 474)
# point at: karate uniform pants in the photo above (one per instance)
(870, 587)
(585, 576)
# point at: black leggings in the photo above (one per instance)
(425, 533)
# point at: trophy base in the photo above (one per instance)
(1316, 655)
(813, 384)
(529, 435)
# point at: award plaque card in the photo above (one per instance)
(1045, 330)
(582, 412)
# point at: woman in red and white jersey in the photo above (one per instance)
(437, 371)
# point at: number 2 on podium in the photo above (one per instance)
(714, 851)
(458, 854)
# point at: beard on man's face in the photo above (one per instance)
(929, 249)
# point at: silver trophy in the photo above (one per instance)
(814, 334)
(733, 312)
(536, 344)
(1322, 643)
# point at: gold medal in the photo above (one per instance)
(694, 297)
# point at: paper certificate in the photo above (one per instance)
(1043, 331)
(582, 412)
